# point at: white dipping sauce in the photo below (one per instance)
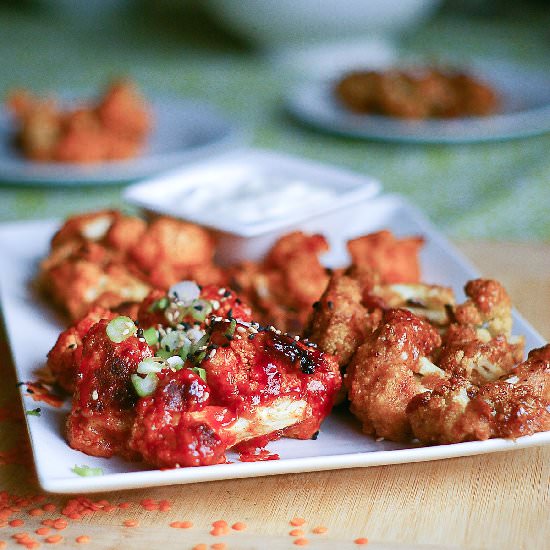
(254, 199)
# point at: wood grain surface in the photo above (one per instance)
(491, 501)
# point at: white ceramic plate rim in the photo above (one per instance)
(51, 452)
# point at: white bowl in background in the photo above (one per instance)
(291, 22)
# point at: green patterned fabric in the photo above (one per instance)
(496, 190)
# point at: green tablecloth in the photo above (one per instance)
(492, 190)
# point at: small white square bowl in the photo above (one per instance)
(167, 194)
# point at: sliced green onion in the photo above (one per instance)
(33, 412)
(175, 362)
(151, 336)
(149, 365)
(203, 341)
(159, 305)
(231, 328)
(200, 372)
(163, 354)
(87, 471)
(145, 386)
(200, 309)
(197, 359)
(174, 340)
(120, 328)
(183, 352)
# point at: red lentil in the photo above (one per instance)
(50, 507)
(301, 542)
(361, 540)
(16, 522)
(296, 533)
(219, 528)
(43, 531)
(319, 530)
(130, 523)
(47, 522)
(60, 524)
(200, 546)
(181, 524)
(218, 546)
(297, 522)
(54, 539)
(239, 526)
(36, 512)
(124, 505)
(82, 539)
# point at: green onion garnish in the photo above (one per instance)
(149, 365)
(159, 305)
(33, 412)
(200, 372)
(145, 386)
(120, 328)
(183, 352)
(200, 309)
(87, 471)
(163, 354)
(231, 328)
(151, 336)
(197, 359)
(203, 341)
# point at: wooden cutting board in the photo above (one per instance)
(491, 501)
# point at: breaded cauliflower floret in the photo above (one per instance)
(339, 323)
(396, 260)
(478, 345)
(468, 353)
(80, 284)
(488, 306)
(389, 369)
(282, 288)
(174, 243)
(517, 404)
(431, 302)
(91, 226)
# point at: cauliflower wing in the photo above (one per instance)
(103, 409)
(515, 405)
(339, 322)
(391, 367)
(395, 260)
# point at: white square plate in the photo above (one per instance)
(32, 329)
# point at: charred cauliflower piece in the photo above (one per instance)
(64, 357)
(103, 412)
(273, 382)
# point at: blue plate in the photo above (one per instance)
(525, 111)
(184, 130)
